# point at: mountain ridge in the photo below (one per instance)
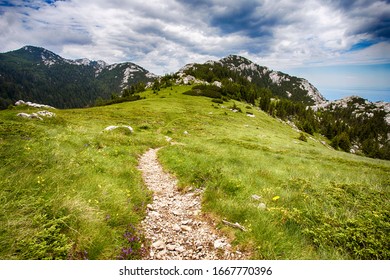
(281, 84)
(39, 75)
(118, 76)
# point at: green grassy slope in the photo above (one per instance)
(70, 190)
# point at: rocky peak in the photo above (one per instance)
(39, 55)
(236, 60)
(360, 107)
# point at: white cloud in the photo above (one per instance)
(164, 35)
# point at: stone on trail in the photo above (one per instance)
(159, 245)
(219, 244)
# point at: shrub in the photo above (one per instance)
(205, 90)
(302, 137)
(217, 100)
(49, 243)
(341, 141)
(235, 107)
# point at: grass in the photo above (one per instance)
(67, 171)
(70, 190)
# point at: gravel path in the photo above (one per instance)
(174, 224)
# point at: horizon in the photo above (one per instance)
(340, 47)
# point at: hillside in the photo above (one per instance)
(78, 194)
(39, 75)
(352, 124)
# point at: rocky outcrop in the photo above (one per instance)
(37, 115)
(31, 104)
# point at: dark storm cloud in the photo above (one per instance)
(372, 17)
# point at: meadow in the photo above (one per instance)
(70, 190)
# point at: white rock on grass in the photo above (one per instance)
(46, 114)
(113, 127)
(262, 206)
(29, 116)
(31, 104)
(37, 115)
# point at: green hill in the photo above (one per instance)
(69, 189)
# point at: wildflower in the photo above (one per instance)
(40, 180)
(276, 198)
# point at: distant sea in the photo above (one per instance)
(372, 95)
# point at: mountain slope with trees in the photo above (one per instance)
(38, 75)
(239, 70)
(352, 124)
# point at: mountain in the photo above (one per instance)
(352, 124)
(39, 75)
(282, 85)
(356, 125)
(358, 107)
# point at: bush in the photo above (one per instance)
(341, 141)
(205, 90)
(102, 102)
(302, 137)
(49, 243)
(217, 100)
(235, 107)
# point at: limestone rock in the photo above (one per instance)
(262, 206)
(186, 228)
(159, 245)
(29, 116)
(113, 127)
(219, 244)
(31, 104)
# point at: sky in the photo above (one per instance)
(341, 46)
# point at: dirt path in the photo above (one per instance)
(174, 225)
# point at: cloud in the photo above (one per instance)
(163, 35)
